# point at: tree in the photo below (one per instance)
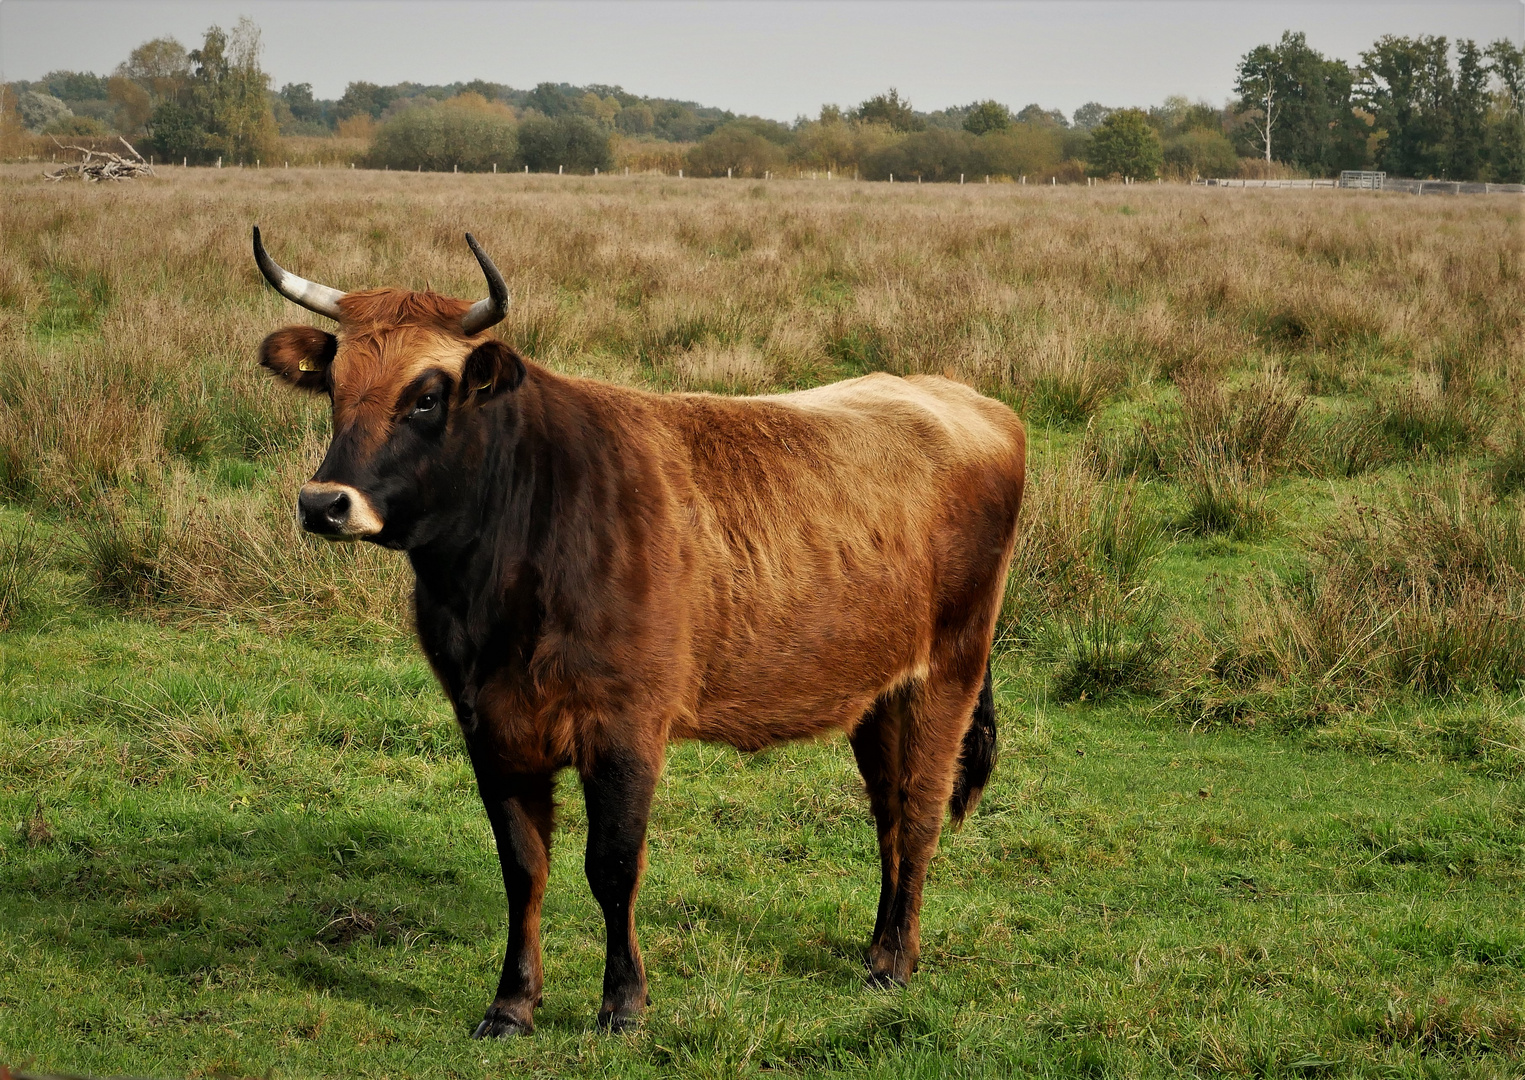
(160, 66)
(1505, 140)
(986, 116)
(1469, 113)
(364, 99)
(1406, 85)
(548, 99)
(1090, 115)
(38, 111)
(1125, 145)
(304, 108)
(1263, 84)
(1200, 152)
(1037, 114)
(175, 133)
(1295, 105)
(575, 143)
(889, 109)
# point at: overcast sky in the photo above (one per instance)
(767, 57)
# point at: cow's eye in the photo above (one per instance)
(425, 404)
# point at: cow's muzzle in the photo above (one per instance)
(337, 511)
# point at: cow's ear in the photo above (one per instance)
(300, 355)
(491, 369)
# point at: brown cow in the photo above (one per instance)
(602, 570)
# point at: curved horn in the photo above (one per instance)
(311, 295)
(485, 313)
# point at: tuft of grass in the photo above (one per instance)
(1079, 537)
(1223, 496)
(1114, 643)
(1507, 473)
(1425, 596)
(1258, 427)
(1424, 420)
(22, 553)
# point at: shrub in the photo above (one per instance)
(1079, 537)
(178, 547)
(740, 147)
(574, 143)
(934, 155)
(1200, 152)
(78, 126)
(175, 134)
(1258, 426)
(466, 132)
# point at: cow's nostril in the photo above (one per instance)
(338, 510)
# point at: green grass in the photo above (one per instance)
(223, 854)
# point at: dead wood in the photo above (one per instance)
(98, 165)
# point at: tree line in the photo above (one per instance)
(1411, 106)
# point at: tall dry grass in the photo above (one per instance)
(129, 316)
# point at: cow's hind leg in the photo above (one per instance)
(520, 809)
(618, 789)
(876, 745)
(931, 734)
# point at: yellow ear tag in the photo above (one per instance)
(308, 364)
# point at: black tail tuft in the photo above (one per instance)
(977, 759)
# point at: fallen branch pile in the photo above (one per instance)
(98, 165)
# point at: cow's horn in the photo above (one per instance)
(485, 313)
(309, 294)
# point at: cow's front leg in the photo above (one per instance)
(618, 788)
(520, 810)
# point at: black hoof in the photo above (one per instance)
(500, 1027)
(616, 1023)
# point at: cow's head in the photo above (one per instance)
(409, 376)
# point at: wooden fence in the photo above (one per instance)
(1411, 187)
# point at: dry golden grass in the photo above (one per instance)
(130, 314)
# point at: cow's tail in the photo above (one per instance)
(976, 761)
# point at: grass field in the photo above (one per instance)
(1260, 808)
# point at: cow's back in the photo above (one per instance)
(830, 533)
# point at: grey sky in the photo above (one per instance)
(774, 58)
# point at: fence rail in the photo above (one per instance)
(1411, 187)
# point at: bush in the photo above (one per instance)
(573, 143)
(936, 154)
(1427, 421)
(1114, 643)
(1508, 472)
(466, 132)
(1079, 538)
(1201, 152)
(738, 147)
(181, 547)
(1258, 427)
(77, 126)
